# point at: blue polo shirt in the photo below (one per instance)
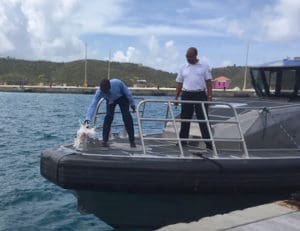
(117, 90)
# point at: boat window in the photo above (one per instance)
(258, 82)
(281, 82)
(271, 80)
(288, 81)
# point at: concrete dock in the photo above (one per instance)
(141, 91)
(277, 216)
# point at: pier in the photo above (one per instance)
(141, 91)
(280, 215)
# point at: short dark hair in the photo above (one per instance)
(194, 49)
(105, 85)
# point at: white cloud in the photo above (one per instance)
(57, 30)
(235, 29)
(152, 54)
(153, 45)
(5, 44)
(226, 63)
(204, 60)
(131, 55)
(95, 16)
(52, 30)
(282, 21)
(6, 27)
(45, 24)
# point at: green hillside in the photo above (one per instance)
(23, 72)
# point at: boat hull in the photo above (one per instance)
(72, 170)
(154, 210)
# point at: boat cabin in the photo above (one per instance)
(279, 78)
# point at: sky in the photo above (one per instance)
(153, 33)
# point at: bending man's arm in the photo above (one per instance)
(93, 106)
(128, 94)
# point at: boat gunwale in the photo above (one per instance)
(195, 155)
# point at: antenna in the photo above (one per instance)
(85, 66)
(108, 69)
(246, 67)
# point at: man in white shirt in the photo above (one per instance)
(194, 83)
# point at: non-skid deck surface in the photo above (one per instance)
(163, 148)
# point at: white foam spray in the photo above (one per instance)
(83, 134)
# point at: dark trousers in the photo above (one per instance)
(127, 118)
(187, 111)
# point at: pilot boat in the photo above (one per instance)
(255, 157)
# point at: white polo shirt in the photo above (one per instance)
(193, 76)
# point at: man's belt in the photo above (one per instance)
(199, 90)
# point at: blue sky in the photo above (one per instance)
(154, 33)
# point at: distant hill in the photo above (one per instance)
(24, 72)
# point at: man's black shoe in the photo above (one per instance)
(183, 144)
(132, 145)
(105, 144)
(209, 147)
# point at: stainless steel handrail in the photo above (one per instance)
(170, 104)
(99, 113)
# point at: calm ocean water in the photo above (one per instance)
(30, 123)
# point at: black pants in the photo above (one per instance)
(187, 111)
(127, 118)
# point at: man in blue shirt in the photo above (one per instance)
(115, 92)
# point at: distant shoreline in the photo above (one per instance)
(141, 91)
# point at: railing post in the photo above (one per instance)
(176, 130)
(140, 125)
(205, 112)
(245, 154)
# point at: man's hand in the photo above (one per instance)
(87, 123)
(176, 103)
(133, 108)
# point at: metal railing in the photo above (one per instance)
(165, 113)
(101, 112)
(170, 117)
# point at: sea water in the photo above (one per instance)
(29, 124)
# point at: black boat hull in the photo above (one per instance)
(72, 170)
(154, 210)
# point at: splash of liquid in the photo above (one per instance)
(83, 135)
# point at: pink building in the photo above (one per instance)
(221, 82)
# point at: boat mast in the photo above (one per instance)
(85, 66)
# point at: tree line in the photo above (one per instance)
(25, 72)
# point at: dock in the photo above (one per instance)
(139, 91)
(279, 216)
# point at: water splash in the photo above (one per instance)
(83, 135)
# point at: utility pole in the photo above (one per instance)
(246, 68)
(108, 68)
(85, 66)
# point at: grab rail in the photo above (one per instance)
(170, 117)
(170, 104)
(100, 113)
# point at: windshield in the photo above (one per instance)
(276, 81)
